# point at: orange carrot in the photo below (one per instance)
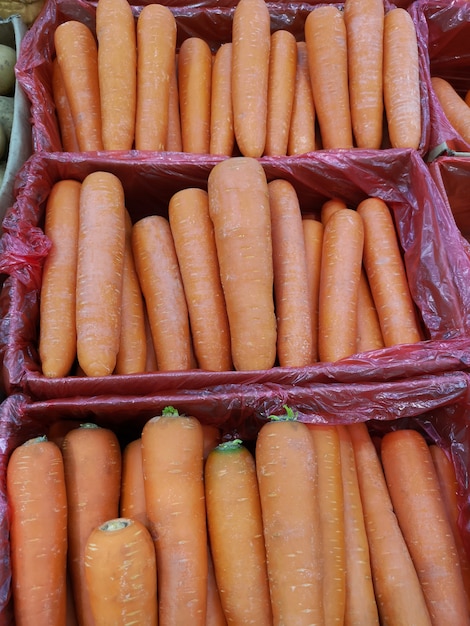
(188, 212)
(251, 40)
(455, 108)
(156, 48)
(236, 534)
(325, 36)
(341, 264)
(151, 360)
(37, 513)
(398, 591)
(194, 88)
(369, 334)
(313, 237)
(329, 207)
(302, 126)
(364, 21)
(160, 280)
(172, 456)
(212, 438)
(287, 476)
(132, 500)
(222, 138)
(386, 274)
(361, 606)
(117, 71)
(58, 429)
(100, 260)
(62, 107)
(291, 295)
(92, 467)
(417, 502)
(402, 96)
(215, 615)
(239, 209)
(121, 573)
(132, 355)
(77, 54)
(57, 334)
(174, 142)
(281, 88)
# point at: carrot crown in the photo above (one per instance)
(289, 415)
(170, 411)
(228, 446)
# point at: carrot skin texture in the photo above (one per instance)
(57, 332)
(101, 244)
(369, 333)
(235, 522)
(156, 49)
(302, 124)
(291, 296)
(132, 500)
(64, 114)
(402, 96)
(222, 137)
(35, 488)
(325, 36)
(455, 108)
(215, 615)
(174, 141)
(160, 280)
(313, 237)
(239, 209)
(117, 72)
(121, 573)
(251, 41)
(188, 213)
(77, 55)
(415, 493)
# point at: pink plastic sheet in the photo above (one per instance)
(452, 176)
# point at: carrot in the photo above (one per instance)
(251, 41)
(455, 108)
(291, 295)
(326, 444)
(121, 573)
(400, 598)
(402, 96)
(194, 88)
(215, 615)
(361, 606)
(329, 207)
(236, 534)
(172, 456)
(313, 238)
(132, 499)
(117, 72)
(343, 241)
(92, 468)
(58, 429)
(364, 22)
(302, 124)
(37, 513)
(369, 334)
(239, 209)
(57, 334)
(281, 88)
(212, 438)
(387, 275)
(222, 138)
(77, 55)
(62, 107)
(156, 49)
(415, 494)
(287, 477)
(188, 213)
(132, 356)
(174, 142)
(100, 260)
(160, 280)
(151, 359)
(325, 36)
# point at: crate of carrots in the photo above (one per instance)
(383, 503)
(100, 76)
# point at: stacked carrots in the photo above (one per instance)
(308, 523)
(350, 79)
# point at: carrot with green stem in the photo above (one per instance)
(416, 497)
(239, 209)
(235, 529)
(117, 72)
(222, 138)
(77, 55)
(302, 123)
(37, 513)
(64, 114)
(172, 455)
(57, 330)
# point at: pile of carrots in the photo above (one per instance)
(236, 276)
(307, 524)
(350, 79)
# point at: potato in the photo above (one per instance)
(6, 113)
(7, 69)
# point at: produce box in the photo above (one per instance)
(436, 260)
(17, 121)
